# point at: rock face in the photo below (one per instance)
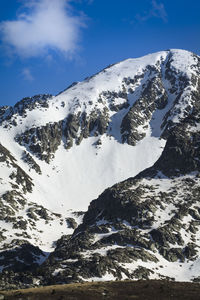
(128, 137)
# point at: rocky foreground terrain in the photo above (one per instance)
(101, 182)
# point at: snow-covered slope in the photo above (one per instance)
(58, 153)
(83, 171)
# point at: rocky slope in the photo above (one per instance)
(138, 119)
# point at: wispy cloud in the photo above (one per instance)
(84, 1)
(26, 73)
(43, 25)
(157, 10)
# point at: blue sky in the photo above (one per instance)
(45, 45)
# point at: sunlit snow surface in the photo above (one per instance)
(82, 173)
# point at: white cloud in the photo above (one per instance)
(27, 74)
(157, 11)
(44, 25)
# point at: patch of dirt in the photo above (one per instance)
(118, 290)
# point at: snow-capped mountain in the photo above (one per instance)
(136, 122)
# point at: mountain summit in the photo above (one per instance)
(127, 137)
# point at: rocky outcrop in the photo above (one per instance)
(27, 158)
(18, 175)
(42, 141)
(9, 114)
(21, 257)
(153, 97)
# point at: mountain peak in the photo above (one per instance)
(130, 134)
